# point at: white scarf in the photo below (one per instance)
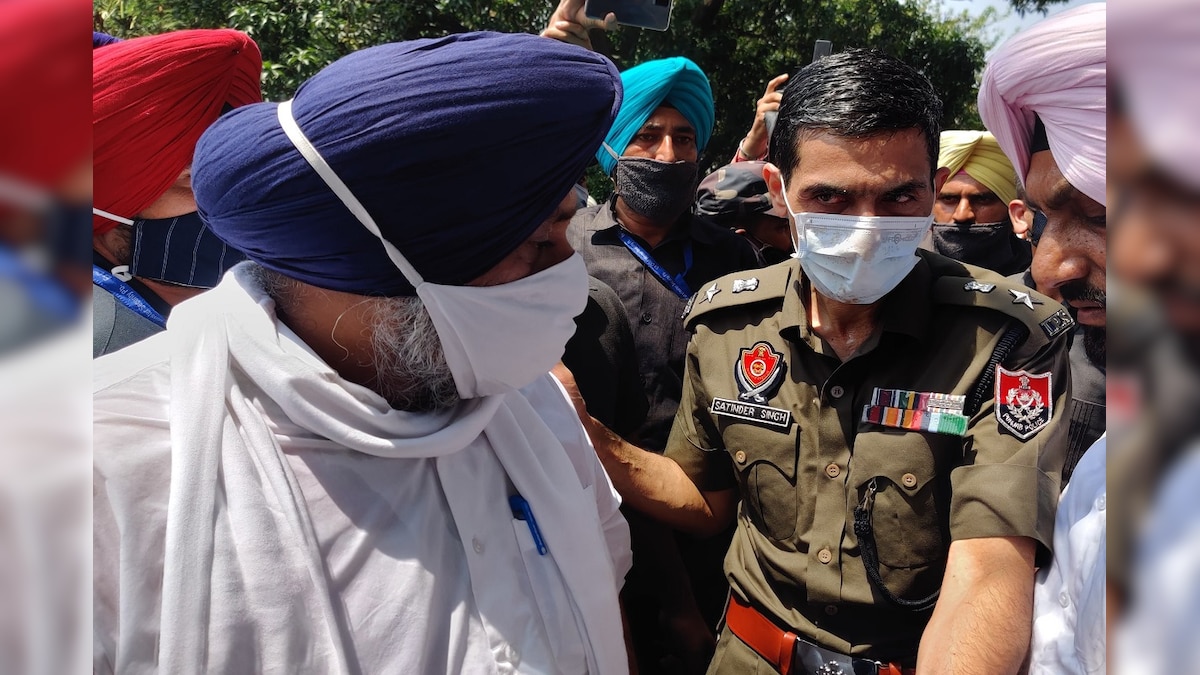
(232, 491)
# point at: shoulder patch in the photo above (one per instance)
(739, 288)
(1024, 401)
(1046, 319)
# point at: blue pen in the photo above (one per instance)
(521, 511)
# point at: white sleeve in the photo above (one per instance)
(553, 404)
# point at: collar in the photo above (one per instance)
(906, 309)
(689, 226)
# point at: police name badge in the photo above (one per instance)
(758, 372)
(1024, 401)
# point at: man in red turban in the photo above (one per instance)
(152, 98)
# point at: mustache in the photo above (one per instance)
(1079, 291)
(1177, 288)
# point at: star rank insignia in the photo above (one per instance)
(1024, 401)
(712, 290)
(1023, 298)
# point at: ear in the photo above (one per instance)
(939, 179)
(774, 179)
(1020, 217)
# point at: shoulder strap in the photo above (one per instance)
(740, 288)
(1044, 319)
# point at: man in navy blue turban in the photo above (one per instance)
(349, 455)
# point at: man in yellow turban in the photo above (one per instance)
(971, 221)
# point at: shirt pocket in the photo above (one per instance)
(765, 462)
(910, 527)
(553, 602)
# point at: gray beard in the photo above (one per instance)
(406, 356)
(410, 366)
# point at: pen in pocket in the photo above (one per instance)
(522, 511)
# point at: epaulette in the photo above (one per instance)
(1045, 318)
(740, 288)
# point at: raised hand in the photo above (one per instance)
(570, 24)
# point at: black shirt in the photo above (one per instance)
(655, 312)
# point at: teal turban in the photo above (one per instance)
(676, 81)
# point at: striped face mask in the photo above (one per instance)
(180, 250)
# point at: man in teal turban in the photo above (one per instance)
(648, 246)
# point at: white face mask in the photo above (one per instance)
(856, 259)
(500, 338)
(496, 338)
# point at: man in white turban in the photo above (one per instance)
(1044, 97)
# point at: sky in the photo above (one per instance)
(1012, 23)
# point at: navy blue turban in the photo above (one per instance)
(459, 148)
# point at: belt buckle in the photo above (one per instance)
(810, 659)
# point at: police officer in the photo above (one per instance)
(735, 196)
(887, 426)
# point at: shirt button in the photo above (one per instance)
(837, 391)
(739, 457)
(831, 610)
(909, 480)
(477, 545)
(1100, 502)
(833, 470)
(824, 555)
(1064, 599)
(647, 317)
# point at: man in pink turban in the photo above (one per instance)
(1044, 97)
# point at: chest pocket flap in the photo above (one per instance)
(910, 511)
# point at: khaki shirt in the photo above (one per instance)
(795, 555)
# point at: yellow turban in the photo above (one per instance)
(979, 155)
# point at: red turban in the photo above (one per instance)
(43, 74)
(152, 97)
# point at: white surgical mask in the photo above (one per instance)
(496, 338)
(500, 338)
(856, 259)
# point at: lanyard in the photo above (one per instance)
(125, 295)
(676, 283)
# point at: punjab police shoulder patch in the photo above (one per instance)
(1024, 401)
(758, 372)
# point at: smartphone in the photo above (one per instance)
(652, 14)
(821, 49)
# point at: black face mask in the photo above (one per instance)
(68, 233)
(660, 191)
(991, 246)
(180, 250)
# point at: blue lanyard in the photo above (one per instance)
(125, 295)
(676, 283)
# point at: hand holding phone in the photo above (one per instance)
(652, 14)
(569, 23)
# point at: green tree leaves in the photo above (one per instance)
(741, 44)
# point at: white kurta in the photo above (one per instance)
(1068, 600)
(427, 569)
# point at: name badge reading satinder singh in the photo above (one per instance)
(751, 412)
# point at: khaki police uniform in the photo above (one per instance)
(787, 426)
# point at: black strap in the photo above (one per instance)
(983, 389)
(870, 557)
(862, 513)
